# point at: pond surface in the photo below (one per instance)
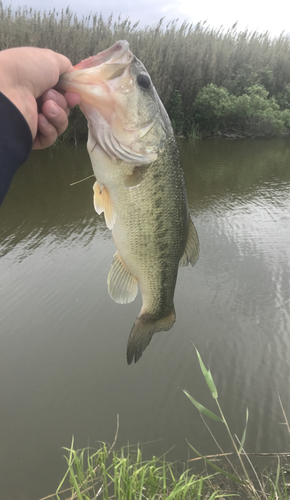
(63, 341)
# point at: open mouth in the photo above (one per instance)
(119, 53)
(104, 82)
(96, 72)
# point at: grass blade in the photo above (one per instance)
(216, 467)
(201, 408)
(277, 476)
(208, 377)
(244, 433)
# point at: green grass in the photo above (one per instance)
(123, 475)
(107, 474)
(249, 483)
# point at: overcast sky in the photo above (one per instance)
(260, 15)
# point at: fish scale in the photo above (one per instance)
(139, 186)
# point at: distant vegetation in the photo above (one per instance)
(211, 81)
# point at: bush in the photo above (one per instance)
(175, 111)
(252, 113)
(283, 98)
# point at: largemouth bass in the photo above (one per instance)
(139, 186)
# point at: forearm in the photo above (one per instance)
(15, 142)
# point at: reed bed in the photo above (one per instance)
(182, 60)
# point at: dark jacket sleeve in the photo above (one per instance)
(15, 142)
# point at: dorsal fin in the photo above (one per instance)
(191, 251)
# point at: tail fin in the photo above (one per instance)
(142, 332)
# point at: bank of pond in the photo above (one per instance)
(215, 113)
(124, 475)
(107, 474)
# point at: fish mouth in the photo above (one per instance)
(104, 81)
(118, 53)
(105, 66)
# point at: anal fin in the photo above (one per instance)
(122, 286)
(102, 203)
(191, 251)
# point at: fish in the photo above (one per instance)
(139, 187)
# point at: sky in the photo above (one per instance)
(257, 15)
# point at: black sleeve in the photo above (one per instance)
(15, 142)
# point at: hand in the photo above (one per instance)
(53, 118)
(27, 78)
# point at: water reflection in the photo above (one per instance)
(63, 340)
(45, 208)
(242, 204)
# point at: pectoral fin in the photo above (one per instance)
(102, 203)
(191, 251)
(122, 286)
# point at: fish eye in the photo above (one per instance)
(143, 81)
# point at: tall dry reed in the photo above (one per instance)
(182, 58)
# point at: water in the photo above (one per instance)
(63, 340)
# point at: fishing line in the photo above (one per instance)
(77, 182)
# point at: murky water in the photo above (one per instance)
(63, 340)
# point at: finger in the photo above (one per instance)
(59, 99)
(66, 100)
(64, 64)
(56, 115)
(46, 135)
(72, 98)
